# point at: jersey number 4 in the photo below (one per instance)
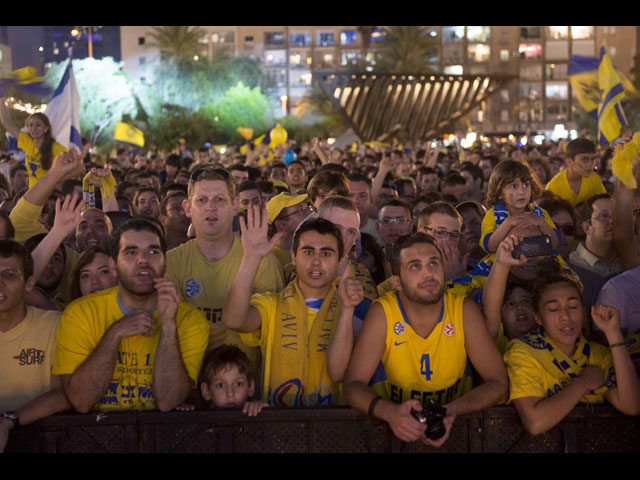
(425, 368)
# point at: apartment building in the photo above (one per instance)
(538, 99)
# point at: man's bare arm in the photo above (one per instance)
(486, 359)
(88, 383)
(171, 381)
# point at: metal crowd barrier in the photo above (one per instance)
(587, 429)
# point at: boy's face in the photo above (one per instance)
(583, 163)
(228, 388)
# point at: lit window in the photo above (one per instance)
(582, 32)
(274, 38)
(504, 55)
(326, 39)
(557, 33)
(377, 36)
(453, 70)
(530, 50)
(348, 37)
(556, 90)
(479, 52)
(478, 34)
(453, 34)
(300, 39)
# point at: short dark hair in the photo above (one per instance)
(396, 202)
(11, 231)
(359, 177)
(327, 180)
(11, 248)
(445, 208)
(557, 204)
(210, 173)
(586, 208)
(407, 241)
(174, 160)
(222, 357)
(84, 259)
(169, 196)
(142, 190)
(246, 185)
(580, 145)
(137, 224)
(323, 227)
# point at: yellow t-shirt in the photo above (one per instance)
(529, 378)
(26, 356)
(283, 256)
(435, 367)
(85, 321)
(590, 186)
(32, 157)
(204, 285)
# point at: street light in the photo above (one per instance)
(76, 32)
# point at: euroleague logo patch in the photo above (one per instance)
(193, 288)
(449, 329)
(399, 328)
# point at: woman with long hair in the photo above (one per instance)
(38, 143)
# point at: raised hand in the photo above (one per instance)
(67, 214)
(168, 298)
(606, 318)
(504, 253)
(254, 232)
(350, 290)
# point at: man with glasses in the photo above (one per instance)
(204, 268)
(285, 212)
(394, 221)
(442, 221)
(598, 252)
(579, 181)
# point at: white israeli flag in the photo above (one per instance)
(63, 111)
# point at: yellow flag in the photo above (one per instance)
(610, 115)
(128, 134)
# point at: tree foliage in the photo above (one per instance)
(406, 50)
(177, 42)
(105, 95)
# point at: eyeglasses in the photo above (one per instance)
(398, 220)
(302, 210)
(605, 218)
(10, 275)
(442, 233)
(567, 229)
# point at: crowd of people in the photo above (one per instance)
(387, 278)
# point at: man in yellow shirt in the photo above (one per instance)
(134, 346)
(28, 390)
(579, 181)
(422, 335)
(306, 331)
(203, 268)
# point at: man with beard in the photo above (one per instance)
(134, 346)
(422, 336)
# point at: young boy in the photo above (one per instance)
(226, 380)
(579, 181)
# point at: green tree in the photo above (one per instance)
(406, 50)
(177, 42)
(105, 95)
(240, 106)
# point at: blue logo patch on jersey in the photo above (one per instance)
(193, 288)
(399, 328)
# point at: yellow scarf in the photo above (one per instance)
(298, 364)
(561, 366)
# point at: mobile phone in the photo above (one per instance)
(537, 246)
